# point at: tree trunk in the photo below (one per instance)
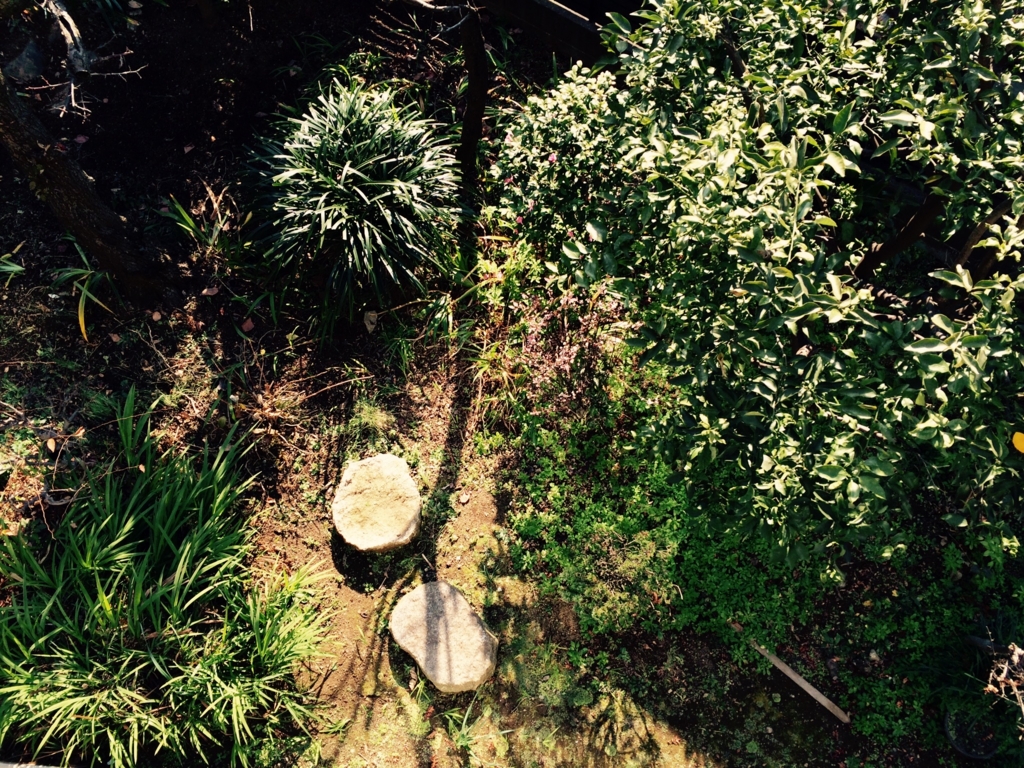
(476, 91)
(982, 229)
(59, 182)
(476, 97)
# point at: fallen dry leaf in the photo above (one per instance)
(52, 445)
(211, 291)
(115, 338)
(156, 317)
(142, 468)
(248, 325)
(189, 148)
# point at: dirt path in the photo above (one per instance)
(376, 710)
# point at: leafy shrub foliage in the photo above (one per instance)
(812, 216)
(605, 527)
(557, 164)
(359, 193)
(136, 632)
(768, 173)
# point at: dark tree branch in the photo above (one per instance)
(79, 58)
(476, 93)
(739, 66)
(931, 209)
(982, 229)
(476, 97)
(427, 6)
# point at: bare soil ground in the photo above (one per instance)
(364, 681)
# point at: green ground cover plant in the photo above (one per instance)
(133, 630)
(600, 523)
(603, 522)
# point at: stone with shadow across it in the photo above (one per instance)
(437, 627)
(377, 504)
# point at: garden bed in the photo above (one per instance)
(518, 424)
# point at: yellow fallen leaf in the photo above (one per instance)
(142, 468)
(1018, 441)
(52, 445)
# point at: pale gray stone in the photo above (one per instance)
(437, 627)
(377, 504)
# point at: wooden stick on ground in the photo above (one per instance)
(788, 671)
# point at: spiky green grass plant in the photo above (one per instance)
(358, 194)
(132, 632)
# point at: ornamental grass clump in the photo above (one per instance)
(132, 631)
(359, 194)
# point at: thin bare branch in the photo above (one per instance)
(428, 6)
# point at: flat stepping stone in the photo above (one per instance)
(377, 505)
(437, 627)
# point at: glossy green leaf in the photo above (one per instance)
(898, 117)
(886, 146)
(831, 472)
(871, 485)
(621, 22)
(596, 231)
(835, 162)
(927, 345)
(842, 119)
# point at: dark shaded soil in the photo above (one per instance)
(202, 85)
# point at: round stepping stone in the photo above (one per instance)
(437, 627)
(377, 505)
